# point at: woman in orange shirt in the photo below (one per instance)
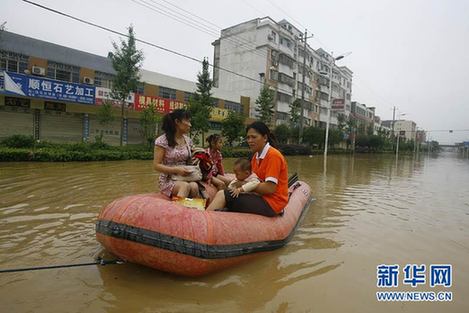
(271, 195)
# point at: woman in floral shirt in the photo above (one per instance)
(172, 150)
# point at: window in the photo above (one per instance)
(167, 93)
(187, 95)
(307, 88)
(285, 42)
(13, 62)
(64, 72)
(273, 75)
(103, 79)
(285, 59)
(140, 88)
(274, 36)
(282, 116)
(17, 102)
(233, 106)
(274, 58)
(54, 106)
(284, 78)
(283, 97)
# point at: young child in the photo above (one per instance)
(215, 142)
(246, 181)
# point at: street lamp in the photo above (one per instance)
(331, 66)
(398, 134)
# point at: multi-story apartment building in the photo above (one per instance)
(361, 114)
(274, 53)
(53, 93)
(406, 129)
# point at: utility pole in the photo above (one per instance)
(392, 126)
(300, 139)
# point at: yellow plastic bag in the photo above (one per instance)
(198, 204)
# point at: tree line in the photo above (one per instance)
(127, 61)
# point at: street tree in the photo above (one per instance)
(126, 61)
(282, 133)
(201, 103)
(105, 117)
(149, 120)
(295, 112)
(265, 105)
(314, 136)
(233, 126)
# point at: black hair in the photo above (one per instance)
(263, 129)
(213, 139)
(244, 164)
(169, 124)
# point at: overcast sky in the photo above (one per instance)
(412, 54)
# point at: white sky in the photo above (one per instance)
(412, 54)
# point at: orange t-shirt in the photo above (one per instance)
(273, 167)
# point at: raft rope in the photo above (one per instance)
(99, 261)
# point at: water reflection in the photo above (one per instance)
(368, 210)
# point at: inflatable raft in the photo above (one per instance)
(151, 230)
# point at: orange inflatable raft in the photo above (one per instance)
(151, 230)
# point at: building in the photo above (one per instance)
(53, 93)
(274, 53)
(406, 129)
(363, 116)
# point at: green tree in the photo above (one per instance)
(376, 142)
(201, 103)
(126, 61)
(105, 117)
(295, 112)
(149, 120)
(265, 105)
(232, 126)
(342, 122)
(335, 136)
(295, 134)
(282, 133)
(314, 136)
(351, 130)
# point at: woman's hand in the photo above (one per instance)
(235, 192)
(182, 171)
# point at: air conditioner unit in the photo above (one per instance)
(39, 71)
(88, 80)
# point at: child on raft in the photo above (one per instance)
(215, 142)
(246, 181)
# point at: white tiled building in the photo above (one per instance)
(273, 52)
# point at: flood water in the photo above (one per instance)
(369, 210)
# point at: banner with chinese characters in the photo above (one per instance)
(162, 105)
(104, 94)
(39, 87)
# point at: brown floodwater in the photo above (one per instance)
(369, 210)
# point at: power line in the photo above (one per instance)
(217, 27)
(284, 12)
(191, 22)
(148, 43)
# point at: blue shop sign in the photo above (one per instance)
(38, 87)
